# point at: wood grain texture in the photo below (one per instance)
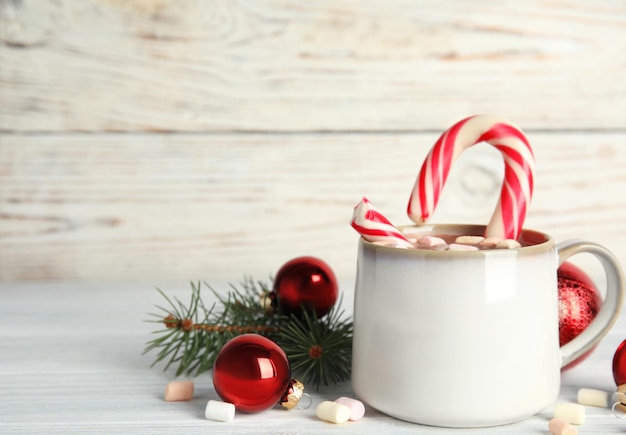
(187, 206)
(188, 139)
(287, 65)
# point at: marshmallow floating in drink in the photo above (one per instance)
(508, 218)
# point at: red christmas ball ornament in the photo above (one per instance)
(619, 364)
(305, 282)
(579, 303)
(252, 372)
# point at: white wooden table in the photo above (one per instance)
(71, 363)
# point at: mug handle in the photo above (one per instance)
(611, 306)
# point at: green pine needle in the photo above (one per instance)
(319, 350)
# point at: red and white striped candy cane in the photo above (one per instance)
(374, 227)
(519, 169)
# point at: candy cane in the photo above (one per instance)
(519, 168)
(374, 227)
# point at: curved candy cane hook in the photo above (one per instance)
(519, 171)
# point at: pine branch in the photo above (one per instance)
(194, 333)
(319, 350)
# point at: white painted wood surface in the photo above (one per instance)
(198, 139)
(191, 207)
(71, 364)
(287, 65)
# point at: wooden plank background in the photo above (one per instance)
(191, 139)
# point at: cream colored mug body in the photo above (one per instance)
(467, 338)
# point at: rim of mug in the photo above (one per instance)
(531, 240)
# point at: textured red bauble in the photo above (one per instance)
(251, 372)
(579, 303)
(619, 364)
(305, 282)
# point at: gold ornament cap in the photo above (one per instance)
(267, 303)
(293, 394)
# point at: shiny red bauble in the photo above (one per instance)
(579, 303)
(305, 282)
(251, 372)
(619, 364)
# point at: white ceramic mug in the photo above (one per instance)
(467, 338)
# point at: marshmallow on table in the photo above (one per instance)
(178, 391)
(573, 413)
(558, 426)
(219, 411)
(591, 397)
(357, 409)
(333, 412)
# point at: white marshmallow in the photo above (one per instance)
(573, 413)
(469, 240)
(357, 409)
(333, 412)
(440, 248)
(490, 242)
(430, 241)
(390, 244)
(591, 397)
(508, 244)
(459, 247)
(219, 411)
